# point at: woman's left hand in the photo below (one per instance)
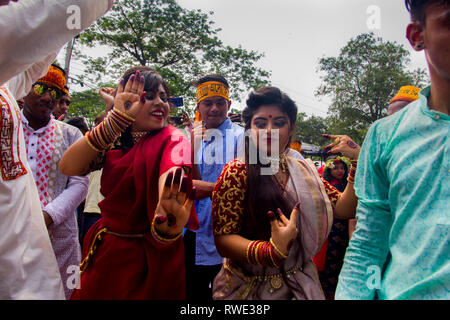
(343, 144)
(174, 207)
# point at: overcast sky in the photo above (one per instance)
(295, 34)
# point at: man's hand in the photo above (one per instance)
(203, 189)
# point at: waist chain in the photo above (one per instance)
(96, 241)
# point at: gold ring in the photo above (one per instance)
(133, 91)
(336, 141)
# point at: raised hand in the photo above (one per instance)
(343, 144)
(131, 99)
(186, 120)
(284, 231)
(107, 94)
(174, 207)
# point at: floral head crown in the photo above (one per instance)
(331, 162)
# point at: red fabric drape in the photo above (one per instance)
(136, 268)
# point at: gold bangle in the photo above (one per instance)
(256, 253)
(278, 250)
(123, 114)
(271, 258)
(246, 251)
(90, 143)
(161, 238)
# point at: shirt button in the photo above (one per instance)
(436, 116)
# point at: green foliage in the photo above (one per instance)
(180, 44)
(87, 104)
(361, 81)
(310, 130)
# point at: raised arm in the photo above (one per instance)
(127, 104)
(369, 245)
(28, 24)
(345, 206)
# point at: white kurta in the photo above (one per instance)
(59, 195)
(31, 34)
(28, 268)
(33, 29)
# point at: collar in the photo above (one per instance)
(26, 123)
(436, 115)
(225, 125)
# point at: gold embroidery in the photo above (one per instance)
(228, 199)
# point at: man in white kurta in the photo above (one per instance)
(28, 268)
(46, 140)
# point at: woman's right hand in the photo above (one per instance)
(284, 231)
(131, 99)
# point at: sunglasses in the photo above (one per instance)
(41, 88)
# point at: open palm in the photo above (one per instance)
(131, 98)
(174, 207)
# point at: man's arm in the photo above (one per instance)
(20, 85)
(33, 29)
(65, 204)
(67, 201)
(369, 246)
(204, 189)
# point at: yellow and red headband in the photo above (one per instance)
(212, 89)
(407, 93)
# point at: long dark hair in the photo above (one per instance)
(263, 192)
(152, 82)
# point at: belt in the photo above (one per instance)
(96, 241)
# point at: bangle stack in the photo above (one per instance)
(107, 132)
(352, 172)
(163, 238)
(264, 253)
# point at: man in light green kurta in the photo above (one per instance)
(401, 246)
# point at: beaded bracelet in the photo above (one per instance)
(106, 132)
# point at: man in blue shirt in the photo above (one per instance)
(216, 141)
(401, 244)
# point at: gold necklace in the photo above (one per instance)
(278, 162)
(137, 135)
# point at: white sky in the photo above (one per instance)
(295, 34)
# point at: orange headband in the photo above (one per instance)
(212, 89)
(407, 93)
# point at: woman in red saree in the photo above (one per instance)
(135, 250)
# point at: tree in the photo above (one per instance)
(87, 104)
(310, 130)
(361, 81)
(180, 44)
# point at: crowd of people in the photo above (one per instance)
(221, 206)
